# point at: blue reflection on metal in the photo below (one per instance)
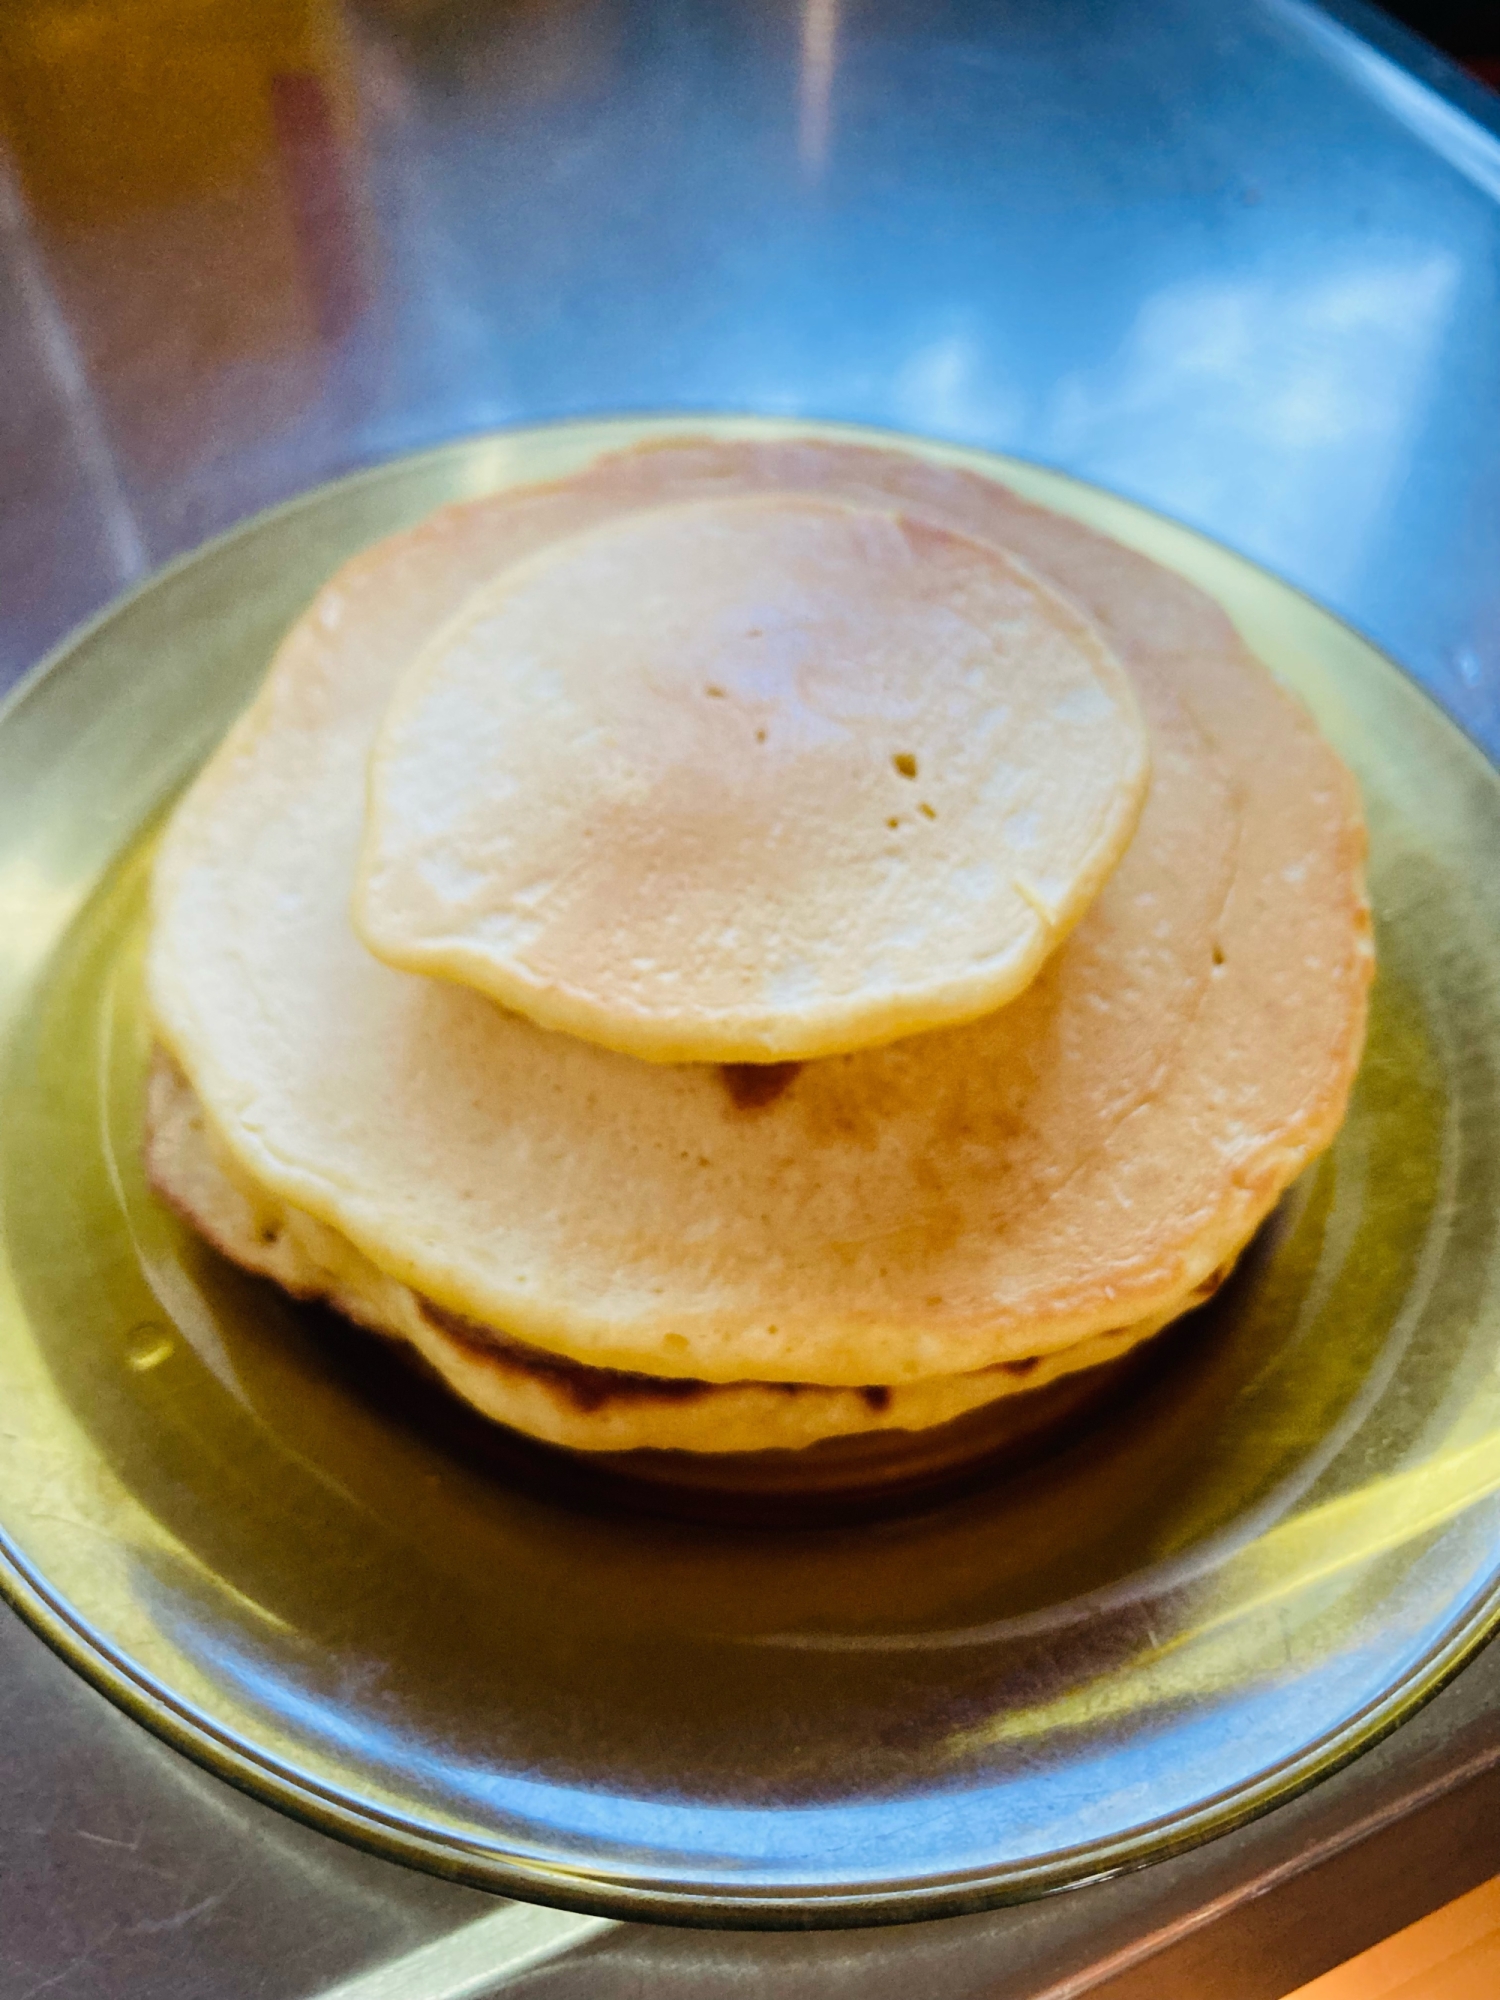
(1233, 263)
(1034, 1800)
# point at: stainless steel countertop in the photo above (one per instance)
(1240, 262)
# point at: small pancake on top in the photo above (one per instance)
(750, 780)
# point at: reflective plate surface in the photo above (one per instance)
(271, 1541)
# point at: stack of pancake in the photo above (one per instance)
(751, 944)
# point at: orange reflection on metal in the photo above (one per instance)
(188, 171)
(1454, 1954)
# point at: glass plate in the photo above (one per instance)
(270, 1540)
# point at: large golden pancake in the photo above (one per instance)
(1076, 1162)
(564, 1402)
(751, 779)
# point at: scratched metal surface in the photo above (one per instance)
(1237, 263)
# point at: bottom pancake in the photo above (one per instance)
(543, 1395)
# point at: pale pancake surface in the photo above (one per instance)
(565, 1403)
(1075, 1162)
(748, 780)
